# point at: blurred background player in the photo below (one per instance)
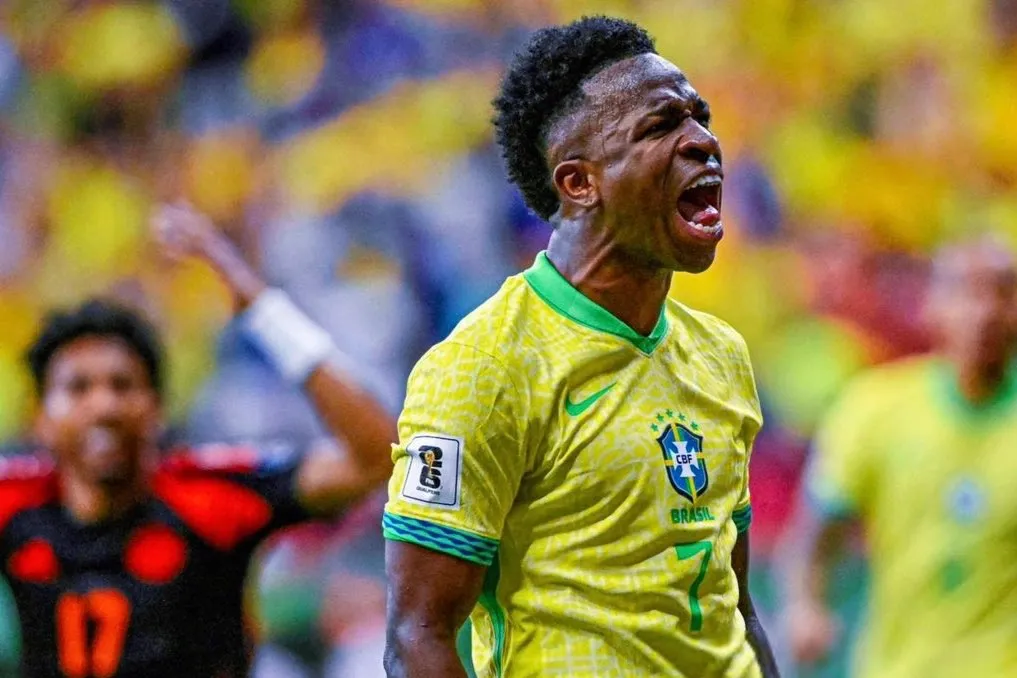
(126, 563)
(572, 471)
(922, 454)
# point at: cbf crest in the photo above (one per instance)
(682, 447)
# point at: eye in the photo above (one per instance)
(77, 386)
(658, 128)
(701, 112)
(122, 383)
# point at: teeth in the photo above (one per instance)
(709, 180)
(705, 229)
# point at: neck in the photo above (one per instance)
(631, 290)
(89, 502)
(980, 382)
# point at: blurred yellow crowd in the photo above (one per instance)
(880, 126)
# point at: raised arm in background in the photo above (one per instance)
(304, 354)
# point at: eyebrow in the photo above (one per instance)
(702, 107)
(699, 106)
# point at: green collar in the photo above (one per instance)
(946, 385)
(560, 295)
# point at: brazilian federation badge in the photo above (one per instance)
(683, 456)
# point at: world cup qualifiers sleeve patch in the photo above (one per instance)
(435, 470)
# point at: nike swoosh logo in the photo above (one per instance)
(575, 409)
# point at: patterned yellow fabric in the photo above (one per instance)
(935, 483)
(602, 475)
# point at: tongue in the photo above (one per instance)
(697, 211)
(708, 216)
(696, 205)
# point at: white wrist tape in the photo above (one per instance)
(294, 343)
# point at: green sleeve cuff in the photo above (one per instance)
(457, 543)
(742, 518)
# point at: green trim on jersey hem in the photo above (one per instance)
(489, 601)
(742, 518)
(448, 540)
(946, 386)
(559, 294)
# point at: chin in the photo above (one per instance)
(114, 477)
(701, 265)
(112, 470)
(691, 249)
(692, 261)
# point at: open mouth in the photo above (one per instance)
(103, 441)
(699, 204)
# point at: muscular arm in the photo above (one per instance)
(430, 595)
(326, 481)
(753, 629)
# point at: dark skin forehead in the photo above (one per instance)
(638, 82)
(95, 357)
(618, 96)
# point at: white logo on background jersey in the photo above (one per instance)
(435, 470)
(966, 500)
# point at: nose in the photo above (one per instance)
(699, 143)
(105, 404)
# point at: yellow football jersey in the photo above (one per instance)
(934, 481)
(600, 474)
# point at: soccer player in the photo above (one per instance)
(127, 564)
(921, 453)
(573, 458)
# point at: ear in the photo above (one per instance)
(576, 183)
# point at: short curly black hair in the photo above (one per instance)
(543, 84)
(96, 318)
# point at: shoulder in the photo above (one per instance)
(708, 329)
(715, 347)
(213, 490)
(28, 468)
(884, 384)
(497, 325)
(713, 342)
(223, 460)
(26, 481)
(489, 341)
(209, 460)
(862, 404)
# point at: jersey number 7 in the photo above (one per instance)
(691, 551)
(109, 611)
